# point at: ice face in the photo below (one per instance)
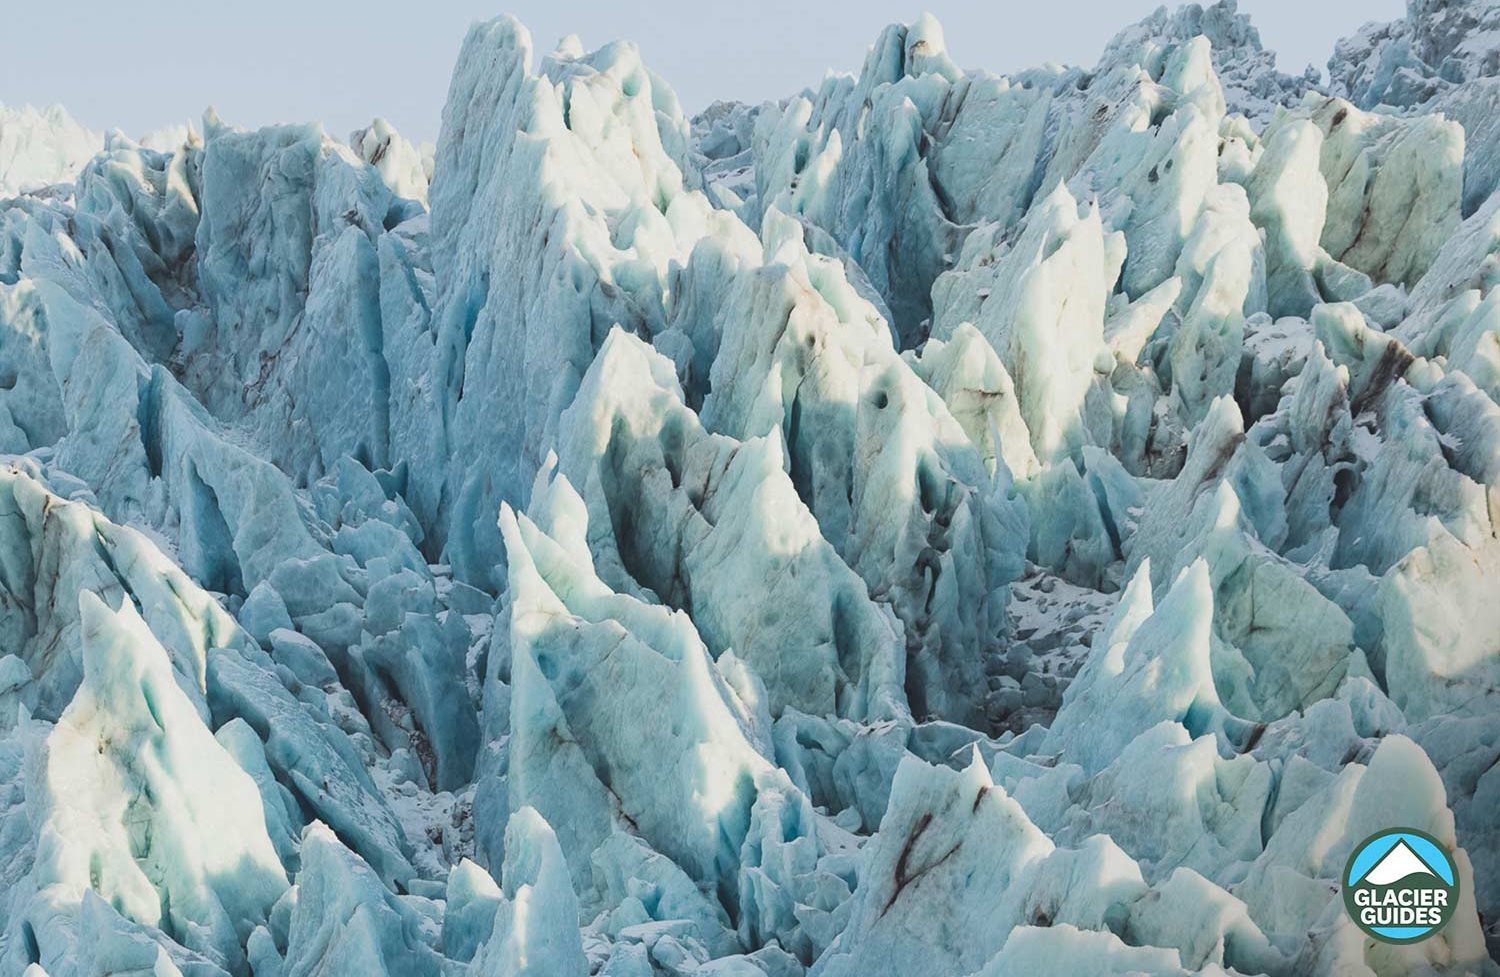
(702, 521)
(943, 523)
(137, 801)
(39, 148)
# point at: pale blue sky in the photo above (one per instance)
(142, 64)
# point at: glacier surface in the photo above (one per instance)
(941, 524)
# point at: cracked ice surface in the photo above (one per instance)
(939, 524)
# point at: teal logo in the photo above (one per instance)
(1401, 886)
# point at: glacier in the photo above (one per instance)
(939, 524)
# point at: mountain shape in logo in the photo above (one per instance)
(1397, 864)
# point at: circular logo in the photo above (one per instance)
(1401, 886)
